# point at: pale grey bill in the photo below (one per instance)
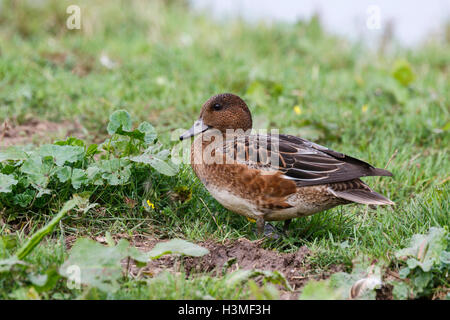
(197, 127)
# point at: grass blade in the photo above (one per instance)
(41, 233)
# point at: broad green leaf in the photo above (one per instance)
(12, 153)
(114, 171)
(266, 292)
(421, 281)
(41, 190)
(79, 178)
(321, 290)
(38, 171)
(360, 284)
(149, 132)
(62, 154)
(25, 293)
(159, 162)
(177, 246)
(44, 282)
(412, 263)
(63, 173)
(122, 147)
(404, 272)
(96, 265)
(163, 154)
(99, 266)
(425, 264)
(6, 183)
(445, 257)
(120, 119)
(357, 285)
(94, 175)
(401, 291)
(116, 178)
(112, 165)
(425, 250)
(37, 279)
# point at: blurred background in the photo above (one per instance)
(303, 66)
(411, 22)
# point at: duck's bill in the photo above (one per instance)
(198, 127)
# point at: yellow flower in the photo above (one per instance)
(251, 220)
(364, 108)
(297, 110)
(151, 205)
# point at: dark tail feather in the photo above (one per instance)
(363, 196)
(381, 172)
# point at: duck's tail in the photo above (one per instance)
(381, 172)
(360, 193)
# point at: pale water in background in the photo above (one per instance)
(413, 21)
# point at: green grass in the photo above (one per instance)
(170, 60)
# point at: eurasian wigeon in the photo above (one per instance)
(272, 177)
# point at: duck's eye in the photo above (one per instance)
(217, 106)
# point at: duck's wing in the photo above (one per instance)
(303, 161)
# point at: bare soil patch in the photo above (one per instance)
(248, 254)
(36, 131)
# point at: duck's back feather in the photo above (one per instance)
(304, 162)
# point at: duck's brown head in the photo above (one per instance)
(223, 111)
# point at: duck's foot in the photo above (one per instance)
(266, 229)
(286, 226)
(271, 232)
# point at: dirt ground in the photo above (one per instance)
(36, 131)
(248, 255)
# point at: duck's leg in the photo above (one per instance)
(260, 223)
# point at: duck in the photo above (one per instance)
(272, 177)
